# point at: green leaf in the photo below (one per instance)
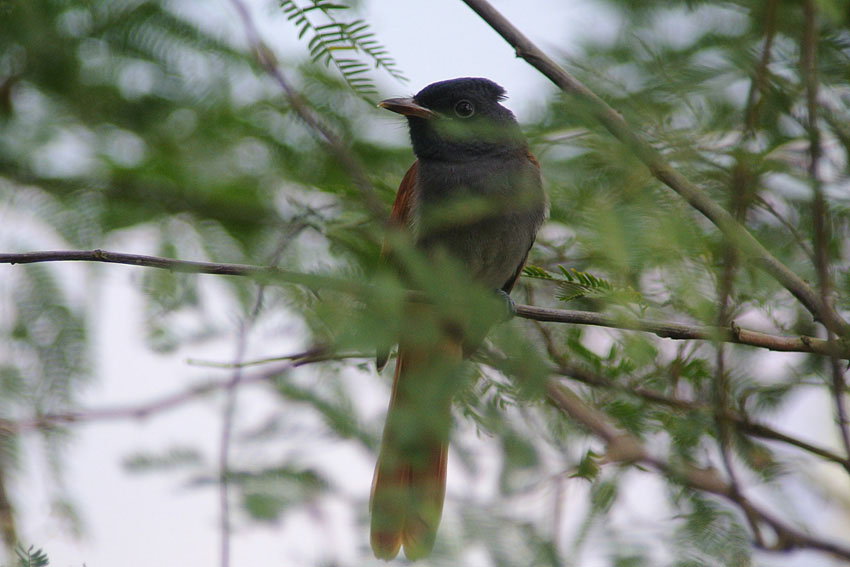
(31, 557)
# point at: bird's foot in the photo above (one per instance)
(508, 304)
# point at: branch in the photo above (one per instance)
(622, 447)
(318, 281)
(260, 273)
(339, 150)
(741, 422)
(163, 404)
(755, 96)
(808, 56)
(734, 334)
(230, 403)
(659, 167)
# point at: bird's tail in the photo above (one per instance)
(410, 478)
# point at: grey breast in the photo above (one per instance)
(484, 212)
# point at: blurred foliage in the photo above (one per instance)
(31, 557)
(333, 38)
(133, 121)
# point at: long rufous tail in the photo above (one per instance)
(410, 477)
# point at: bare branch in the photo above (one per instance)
(808, 55)
(260, 273)
(742, 192)
(339, 150)
(677, 331)
(8, 527)
(624, 448)
(741, 422)
(734, 334)
(163, 404)
(229, 410)
(659, 167)
(564, 367)
(755, 96)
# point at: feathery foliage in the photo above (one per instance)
(573, 284)
(342, 43)
(131, 125)
(31, 557)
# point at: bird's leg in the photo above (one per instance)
(508, 303)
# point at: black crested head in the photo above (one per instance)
(459, 120)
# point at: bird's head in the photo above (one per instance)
(458, 120)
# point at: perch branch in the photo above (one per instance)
(677, 331)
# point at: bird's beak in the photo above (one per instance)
(407, 107)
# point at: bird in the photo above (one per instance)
(468, 146)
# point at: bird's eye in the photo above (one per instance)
(464, 108)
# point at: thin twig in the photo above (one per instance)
(164, 403)
(624, 448)
(227, 421)
(808, 58)
(742, 192)
(660, 168)
(229, 410)
(263, 274)
(755, 96)
(8, 527)
(789, 226)
(741, 422)
(679, 331)
(339, 150)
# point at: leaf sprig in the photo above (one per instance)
(573, 284)
(334, 41)
(31, 557)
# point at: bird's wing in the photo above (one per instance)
(400, 219)
(509, 285)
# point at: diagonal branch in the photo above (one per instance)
(564, 367)
(624, 448)
(333, 143)
(660, 168)
(740, 421)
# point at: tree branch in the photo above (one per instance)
(336, 147)
(678, 331)
(659, 167)
(262, 274)
(734, 334)
(808, 57)
(624, 448)
(164, 403)
(741, 422)
(230, 404)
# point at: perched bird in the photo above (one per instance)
(468, 147)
